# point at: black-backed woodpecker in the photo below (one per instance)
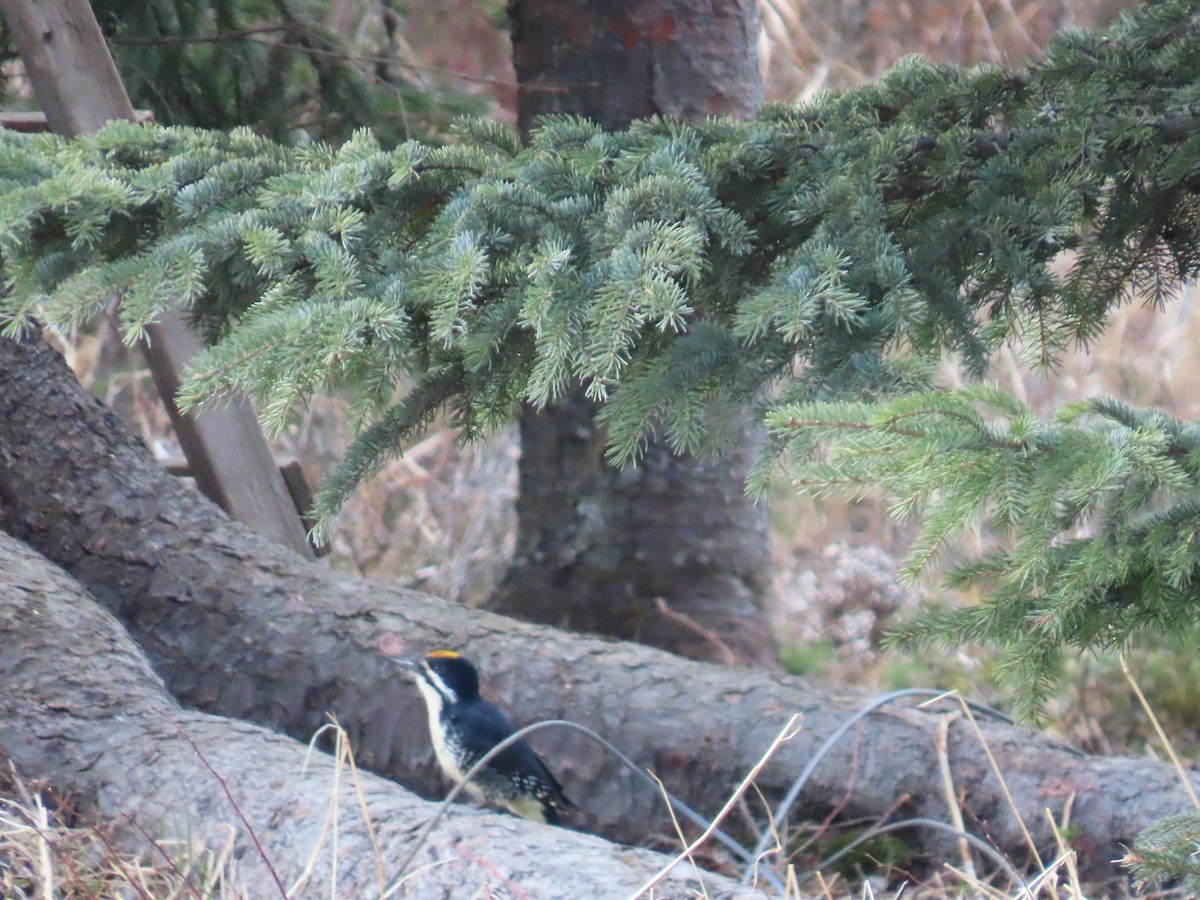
(464, 726)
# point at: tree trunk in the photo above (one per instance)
(614, 61)
(87, 714)
(670, 553)
(238, 626)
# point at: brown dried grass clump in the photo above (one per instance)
(812, 44)
(49, 851)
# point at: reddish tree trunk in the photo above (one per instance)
(670, 553)
(614, 61)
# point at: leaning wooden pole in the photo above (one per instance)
(79, 89)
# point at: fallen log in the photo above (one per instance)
(238, 627)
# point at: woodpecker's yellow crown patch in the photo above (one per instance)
(443, 654)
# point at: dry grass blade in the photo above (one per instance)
(43, 858)
(1008, 797)
(24, 832)
(45, 864)
(1047, 882)
(773, 830)
(1162, 735)
(790, 730)
(1066, 859)
(679, 832)
(978, 887)
(343, 756)
(952, 806)
(414, 874)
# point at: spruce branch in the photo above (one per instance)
(1167, 850)
(1093, 517)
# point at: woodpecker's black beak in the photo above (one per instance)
(409, 664)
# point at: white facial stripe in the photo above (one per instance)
(433, 689)
(439, 685)
(433, 705)
(433, 700)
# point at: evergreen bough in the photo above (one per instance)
(813, 260)
(1167, 850)
(1092, 520)
(270, 64)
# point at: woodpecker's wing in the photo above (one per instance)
(492, 726)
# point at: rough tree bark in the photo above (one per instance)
(90, 715)
(669, 553)
(237, 626)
